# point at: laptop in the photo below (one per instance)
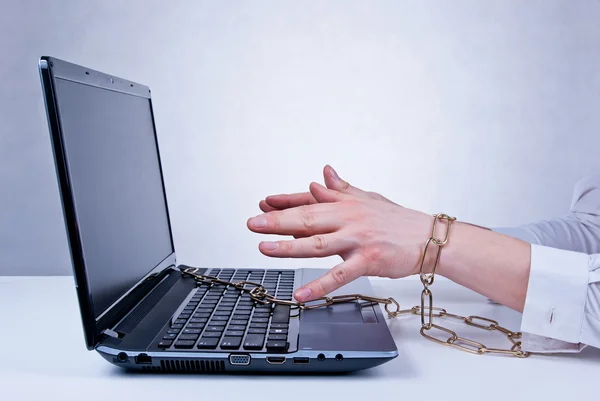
(139, 308)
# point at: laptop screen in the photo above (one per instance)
(113, 163)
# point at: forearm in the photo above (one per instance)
(492, 264)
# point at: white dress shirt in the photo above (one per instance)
(562, 306)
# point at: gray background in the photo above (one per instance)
(488, 110)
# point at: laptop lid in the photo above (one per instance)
(110, 179)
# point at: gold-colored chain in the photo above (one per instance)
(426, 310)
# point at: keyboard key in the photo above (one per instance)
(177, 326)
(241, 315)
(199, 320)
(201, 315)
(231, 342)
(184, 344)
(212, 334)
(222, 313)
(260, 320)
(254, 341)
(278, 331)
(231, 333)
(236, 327)
(165, 344)
(196, 325)
(213, 328)
(281, 314)
(180, 321)
(277, 337)
(257, 331)
(188, 337)
(184, 316)
(279, 325)
(169, 336)
(239, 322)
(218, 322)
(173, 331)
(277, 346)
(192, 331)
(258, 325)
(262, 314)
(220, 317)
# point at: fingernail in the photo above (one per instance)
(303, 293)
(258, 222)
(334, 174)
(270, 246)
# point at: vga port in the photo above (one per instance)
(240, 360)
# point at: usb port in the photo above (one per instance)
(301, 361)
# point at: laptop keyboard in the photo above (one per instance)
(223, 317)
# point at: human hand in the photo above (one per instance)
(332, 181)
(372, 235)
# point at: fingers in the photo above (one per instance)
(316, 246)
(265, 207)
(287, 201)
(337, 277)
(326, 195)
(333, 181)
(300, 221)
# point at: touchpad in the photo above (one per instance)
(352, 312)
(338, 313)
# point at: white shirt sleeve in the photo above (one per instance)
(562, 305)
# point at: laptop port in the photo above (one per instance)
(239, 360)
(301, 361)
(276, 360)
(143, 359)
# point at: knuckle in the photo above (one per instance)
(320, 242)
(339, 275)
(372, 253)
(307, 217)
(352, 211)
(365, 234)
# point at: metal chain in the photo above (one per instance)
(426, 310)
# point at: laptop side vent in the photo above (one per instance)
(200, 366)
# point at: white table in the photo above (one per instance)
(43, 357)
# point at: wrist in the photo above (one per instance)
(428, 249)
(455, 251)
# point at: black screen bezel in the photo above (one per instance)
(94, 322)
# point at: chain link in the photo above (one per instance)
(425, 310)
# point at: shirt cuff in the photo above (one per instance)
(556, 294)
